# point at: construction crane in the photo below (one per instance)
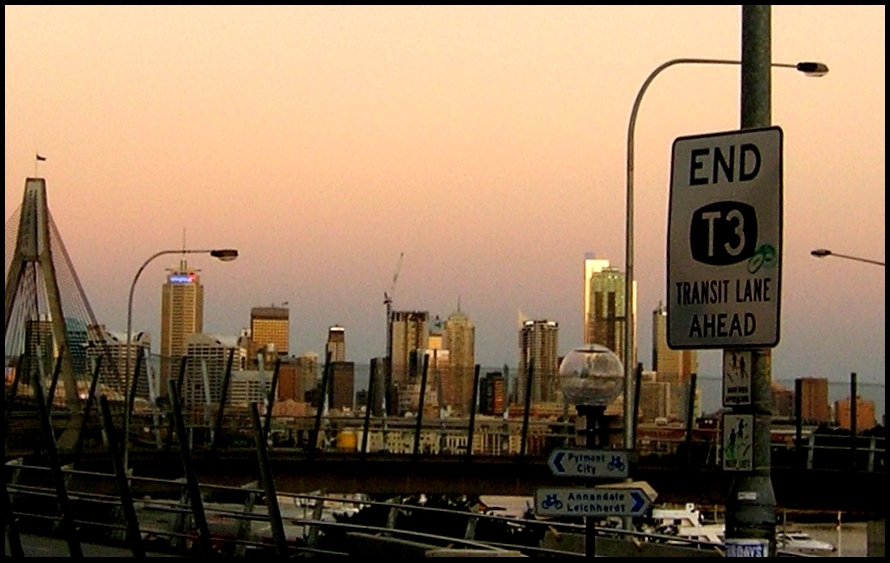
(387, 300)
(387, 295)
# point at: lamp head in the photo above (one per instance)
(225, 254)
(821, 252)
(813, 69)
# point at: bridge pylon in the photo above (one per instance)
(33, 294)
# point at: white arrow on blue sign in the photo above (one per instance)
(588, 463)
(596, 501)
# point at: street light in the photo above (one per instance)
(813, 69)
(823, 252)
(224, 255)
(591, 377)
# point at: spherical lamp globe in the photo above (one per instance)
(591, 375)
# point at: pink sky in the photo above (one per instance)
(486, 143)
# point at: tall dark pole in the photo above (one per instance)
(853, 414)
(473, 402)
(751, 505)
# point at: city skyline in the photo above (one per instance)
(486, 143)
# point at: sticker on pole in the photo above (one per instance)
(725, 240)
(737, 370)
(738, 442)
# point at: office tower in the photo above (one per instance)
(491, 393)
(341, 392)
(38, 335)
(336, 345)
(538, 345)
(208, 357)
(460, 341)
(269, 332)
(673, 366)
(114, 346)
(182, 314)
(814, 407)
(605, 319)
(440, 376)
(410, 338)
(306, 378)
(865, 413)
(591, 266)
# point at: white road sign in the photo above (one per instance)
(725, 240)
(736, 377)
(632, 500)
(588, 463)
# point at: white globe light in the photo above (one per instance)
(591, 376)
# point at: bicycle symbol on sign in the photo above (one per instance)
(764, 254)
(552, 501)
(616, 464)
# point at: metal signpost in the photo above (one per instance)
(609, 464)
(724, 240)
(630, 500)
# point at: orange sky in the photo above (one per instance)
(486, 143)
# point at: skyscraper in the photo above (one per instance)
(409, 334)
(460, 341)
(182, 314)
(605, 307)
(814, 400)
(269, 331)
(538, 347)
(336, 345)
(591, 266)
(674, 367)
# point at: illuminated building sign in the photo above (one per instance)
(181, 278)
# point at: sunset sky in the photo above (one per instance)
(486, 143)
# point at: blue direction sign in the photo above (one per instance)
(632, 500)
(588, 463)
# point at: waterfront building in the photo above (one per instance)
(460, 341)
(182, 314)
(814, 407)
(335, 348)
(674, 367)
(865, 413)
(538, 349)
(655, 398)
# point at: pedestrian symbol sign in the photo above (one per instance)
(738, 442)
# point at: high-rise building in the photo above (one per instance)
(814, 407)
(591, 266)
(538, 349)
(342, 386)
(269, 332)
(460, 341)
(114, 346)
(604, 288)
(182, 314)
(409, 334)
(783, 401)
(673, 366)
(208, 357)
(440, 376)
(336, 345)
(491, 393)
